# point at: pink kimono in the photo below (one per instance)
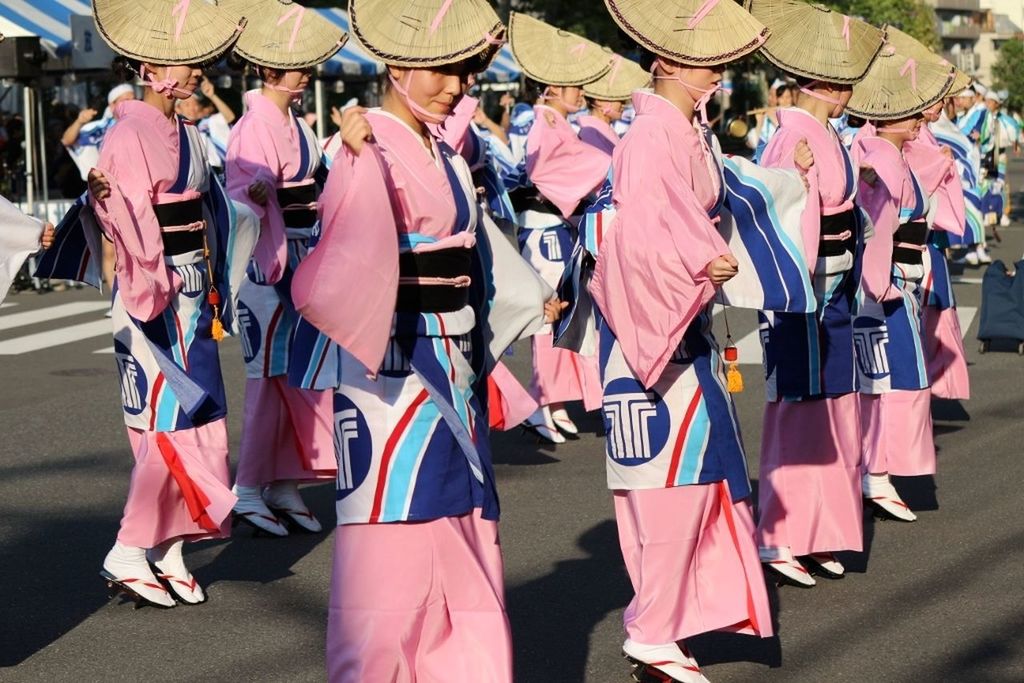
(158, 216)
(564, 171)
(675, 461)
(809, 495)
(895, 396)
(287, 430)
(417, 590)
(943, 338)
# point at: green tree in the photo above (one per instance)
(1008, 72)
(588, 18)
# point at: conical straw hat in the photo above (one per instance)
(815, 42)
(908, 45)
(552, 56)
(425, 33)
(690, 32)
(898, 86)
(960, 82)
(282, 34)
(167, 31)
(619, 82)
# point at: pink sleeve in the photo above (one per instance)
(145, 282)
(357, 254)
(883, 210)
(252, 158)
(938, 175)
(650, 281)
(564, 168)
(779, 154)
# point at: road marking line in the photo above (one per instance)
(42, 315)
(7, 305)
(45, 340)
(965, 280)
(109, 349)
(966, 315)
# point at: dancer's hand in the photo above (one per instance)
(99, 186)
(355, 129)
(722, 269)
(553, 309)
(46, 241)
(803, 157)
(258, 192)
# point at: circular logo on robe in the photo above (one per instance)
(636, 421)
(134, 386)
(555, 245)
(251, 335)
(871, 341)
(193, 280)
(353, 446)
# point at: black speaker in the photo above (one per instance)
(21, 57)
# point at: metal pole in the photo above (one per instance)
(30, 195)
(44, 173)
(318, 92)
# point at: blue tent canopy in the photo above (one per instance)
(48, 19)
(351, 60)
(504, 68)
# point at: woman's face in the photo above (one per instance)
(908, 128)
(570, 97)
(702, 77)
(612, 109)
(294, 80)
(785, 98)
(931, 114)
(843, 93)
(436, 90)
(188, 77)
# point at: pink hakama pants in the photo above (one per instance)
(810, 491)
(560, 375)
(418, 602)
(897, 429)
(287, 434)
(944, 351)
(690, 555)
(179, 486)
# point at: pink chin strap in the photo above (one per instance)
(702, 96)
(295, 93)
(571, 108)
(894, 129)
(425, 115)
(817, 95)
(167, 87)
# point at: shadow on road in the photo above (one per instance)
(553, 616)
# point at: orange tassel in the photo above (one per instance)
(734, 380)
(217, 329)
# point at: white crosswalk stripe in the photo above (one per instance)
(750, 353)
(43, 315)
(7, 305)
(64, 335)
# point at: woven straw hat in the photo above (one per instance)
(167, 31)
(898, 86)
(282, 34)
(552, 56)
(619, 82)
(961, 82)
(908, 45)
(423, 33)
(690, 32)
(814, 42)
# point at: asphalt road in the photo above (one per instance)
(938, 600)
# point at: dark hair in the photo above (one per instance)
(532, 90)
(125, 68)
(647, 58)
